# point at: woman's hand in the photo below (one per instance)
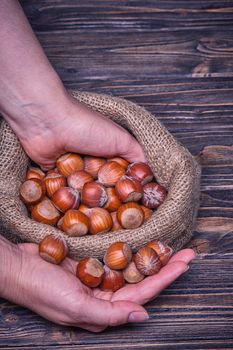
(46, 119)
(66, 125)
(55, 293)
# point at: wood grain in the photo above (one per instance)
(175, 58)
(200, 300)
(192, 38)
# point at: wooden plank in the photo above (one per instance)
(160, 38)
(193, 345)
(197, 306)
(131, 14)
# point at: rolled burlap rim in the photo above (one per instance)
(172, 164)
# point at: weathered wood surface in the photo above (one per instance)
(176, 59)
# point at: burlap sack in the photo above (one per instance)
(172, 164)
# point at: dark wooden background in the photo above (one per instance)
(176, 59)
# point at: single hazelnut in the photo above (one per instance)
(53, 249)
(140, 171)
(77, 179)
(147, 261)
(118, 256)
(164, 251)
(90, 271)
(130, 215)
(66, 198)
(128, 189)
(113, 202)
(45, 212)
(34, 173)
(68, 163)
(132, 274)
(53, 182)
(112, 280)
(32, 191)
(94, 194)
(101, 221)
(110, 173)
(123, 162)
(153, 195)
(75, 223)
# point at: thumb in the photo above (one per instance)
(105, 313)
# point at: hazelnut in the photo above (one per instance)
(68, 163)
(147, 261)
(90, 271)
(53, 249)
(130, 215)
(118, 256)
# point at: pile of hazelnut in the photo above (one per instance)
(119, 265)
(91, 195)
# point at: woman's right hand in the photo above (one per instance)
(55, 293)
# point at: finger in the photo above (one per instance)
(50, 165)
(97, 312)
(152, 286)
(70, 265)
(133, 152)
(185, 255)
(30, 248)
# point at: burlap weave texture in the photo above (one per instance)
(173, 166)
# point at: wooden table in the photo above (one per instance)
(175, 58)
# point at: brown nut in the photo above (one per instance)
(128, 189)
(130, 215)
(101, 221)
(90, 271)
(77, 179)
(153, 195)
(147, 261)
(34, 173)
(93, 164)
(118, 256)
(66, 198)
(94, 195)
(110, 173)
(32, 191)
(75, 223)
(123, 162)
(53, 249)
(112, 280)
(45, 212)
(68, 163)
(53, 182)
(140, 171)
(132, 274)
(164, 251)
(113, 202)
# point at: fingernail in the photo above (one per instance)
(187, 268)
(138, 316)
